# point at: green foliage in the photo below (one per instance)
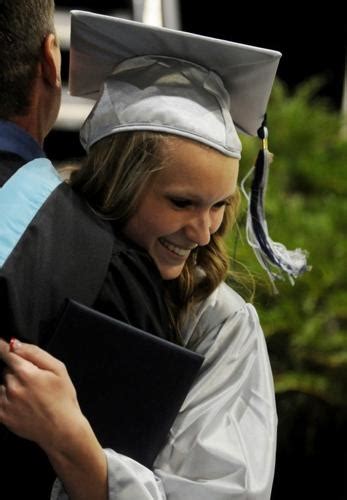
(306, 207)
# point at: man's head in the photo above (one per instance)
(30, 60)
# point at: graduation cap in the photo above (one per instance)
(151, 78)
(170, 80)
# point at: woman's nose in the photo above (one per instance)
(198, 230)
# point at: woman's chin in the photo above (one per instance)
(170, 272)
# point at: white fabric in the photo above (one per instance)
(223, 442)
(164, 94)
(100, 43)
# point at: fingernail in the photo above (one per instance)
(14, 344)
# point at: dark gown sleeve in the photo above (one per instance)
(133, 291)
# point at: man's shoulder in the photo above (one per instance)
(9, 163)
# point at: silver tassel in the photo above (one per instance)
(274, 257)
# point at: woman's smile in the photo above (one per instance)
(175, 249)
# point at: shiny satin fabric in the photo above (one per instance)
(222, 445)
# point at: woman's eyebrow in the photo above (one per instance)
(196, 198)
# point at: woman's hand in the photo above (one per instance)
(37, 398)
(38, 402)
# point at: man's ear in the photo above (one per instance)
(51, 60)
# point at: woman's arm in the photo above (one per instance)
(222, 445)
(38, 402)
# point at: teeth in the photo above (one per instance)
(177, 250)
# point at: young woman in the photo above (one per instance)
(162, 164)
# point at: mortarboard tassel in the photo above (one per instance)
(274, 257)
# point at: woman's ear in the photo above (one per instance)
(51, 60)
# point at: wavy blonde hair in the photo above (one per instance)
(114, 176)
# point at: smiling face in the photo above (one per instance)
(184, 204)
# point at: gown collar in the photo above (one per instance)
(14, 139)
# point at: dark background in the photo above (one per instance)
(313, 43)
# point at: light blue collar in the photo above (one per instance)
(21, 197)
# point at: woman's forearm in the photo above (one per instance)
(81, 465)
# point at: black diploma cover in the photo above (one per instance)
(130, 384)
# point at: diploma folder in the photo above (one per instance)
(130, 384)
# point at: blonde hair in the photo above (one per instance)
(113, 177)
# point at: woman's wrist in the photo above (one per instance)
(78, 459)
(69, 441)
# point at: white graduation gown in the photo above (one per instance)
(223, 442)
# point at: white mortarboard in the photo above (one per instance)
(151, 78)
